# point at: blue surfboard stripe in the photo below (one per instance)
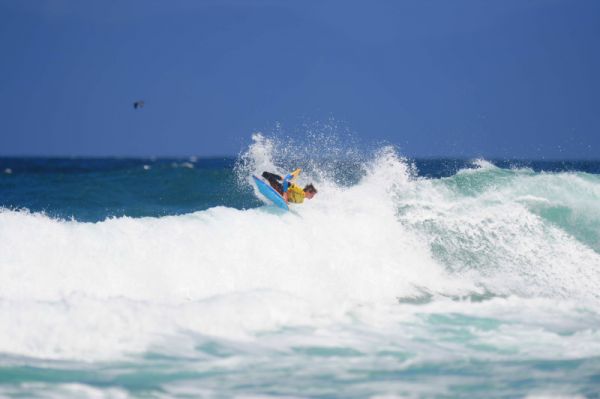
(270, 193)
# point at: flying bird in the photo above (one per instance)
(138, 104)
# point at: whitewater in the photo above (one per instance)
(482, 283)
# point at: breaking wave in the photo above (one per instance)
(375, 235)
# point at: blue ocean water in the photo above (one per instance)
(92, 190)
(428, 278)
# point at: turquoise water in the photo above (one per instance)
(437, 278)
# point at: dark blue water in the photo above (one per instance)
(90, 189)
(94, 189)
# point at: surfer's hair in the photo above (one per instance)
(309, 188)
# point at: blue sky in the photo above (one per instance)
(436, 78)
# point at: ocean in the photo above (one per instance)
(402, 278)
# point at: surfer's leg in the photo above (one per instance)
(269, 176)
(273, 180)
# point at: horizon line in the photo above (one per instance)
(231, 156)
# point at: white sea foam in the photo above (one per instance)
(101, 290)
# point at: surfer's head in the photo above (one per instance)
(309, 191)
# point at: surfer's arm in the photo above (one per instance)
(286, 184)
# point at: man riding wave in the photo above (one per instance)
(288, 189)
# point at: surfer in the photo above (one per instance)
(289, 190)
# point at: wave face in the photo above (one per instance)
(385, 269)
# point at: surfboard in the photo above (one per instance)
(270, 193)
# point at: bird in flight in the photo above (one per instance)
(138, 104)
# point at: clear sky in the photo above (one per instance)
(437, 78)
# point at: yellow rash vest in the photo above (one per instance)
(295, 194)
